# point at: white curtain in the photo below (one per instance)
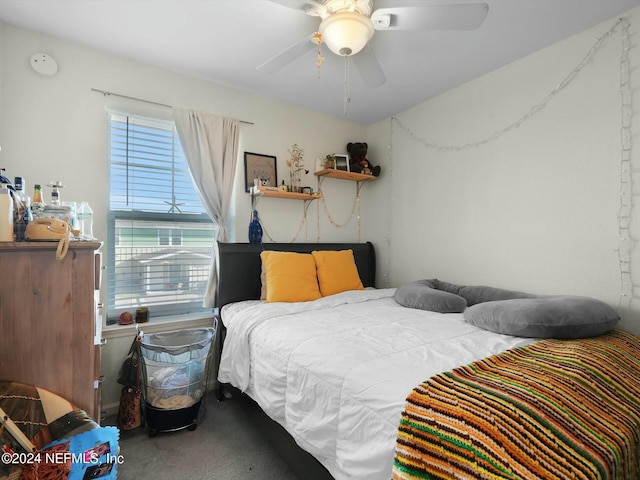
(210, 144)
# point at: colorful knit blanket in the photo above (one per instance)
(556, 409)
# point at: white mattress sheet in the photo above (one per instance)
(335, 372)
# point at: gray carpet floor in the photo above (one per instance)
(226, 445)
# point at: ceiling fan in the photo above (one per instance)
(347, 26)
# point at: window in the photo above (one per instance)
(160, 235)
(169, 237)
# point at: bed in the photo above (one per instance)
(345, 375)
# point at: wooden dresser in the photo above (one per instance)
(49, 335)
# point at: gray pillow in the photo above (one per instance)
(424, 295)
(544, 317)
(480, 293)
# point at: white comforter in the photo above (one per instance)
(335, 372)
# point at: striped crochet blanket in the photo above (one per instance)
(556, 409)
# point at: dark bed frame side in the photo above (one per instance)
(239, 269)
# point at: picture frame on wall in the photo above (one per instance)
(342, 163)
(262, 167)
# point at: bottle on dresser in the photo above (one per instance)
(6, 214)
(55, 192)
(85, 220)
(24, 216)
(37, 204)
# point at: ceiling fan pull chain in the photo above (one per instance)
(347, 84)
(317, 40)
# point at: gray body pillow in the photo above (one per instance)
(511, 312)
(425, 295)
(544, 317)
(480, 293)
(443, 297)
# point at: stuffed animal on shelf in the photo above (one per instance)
(358, 161)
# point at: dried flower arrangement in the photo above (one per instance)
(296, 166)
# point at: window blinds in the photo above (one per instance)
(160, 237)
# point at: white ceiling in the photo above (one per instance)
(225, 40)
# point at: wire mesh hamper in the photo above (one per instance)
(175, 369)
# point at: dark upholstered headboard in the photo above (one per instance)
(239, 266)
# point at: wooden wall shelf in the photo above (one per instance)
(342, 175)
(286, 195)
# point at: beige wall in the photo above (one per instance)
(535, 209)
(55, 128)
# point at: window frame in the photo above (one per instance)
(113, 216)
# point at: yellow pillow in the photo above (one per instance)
(337, 271)
(290, 277)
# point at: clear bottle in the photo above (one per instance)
(6, 215)
(85, 220)
(55, 192)
(37, 204)
(25, 213)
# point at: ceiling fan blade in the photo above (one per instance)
(368, 67)
(287, 56)
(463, 16)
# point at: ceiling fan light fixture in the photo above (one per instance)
(346, 33)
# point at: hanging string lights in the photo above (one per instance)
(530, 113)
(629, 292)
(627, 244)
